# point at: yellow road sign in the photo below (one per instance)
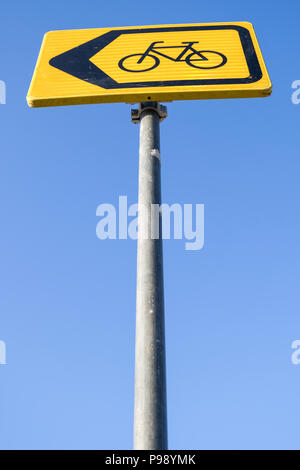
(149, 63)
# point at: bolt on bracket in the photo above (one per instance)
(160, 109)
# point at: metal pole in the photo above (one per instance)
(150, 408)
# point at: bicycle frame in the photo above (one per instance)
(187, 48)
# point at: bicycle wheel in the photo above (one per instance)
(150, 62)
(211, 60)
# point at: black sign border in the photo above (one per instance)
(76, 61)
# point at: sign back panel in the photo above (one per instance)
(149, 63)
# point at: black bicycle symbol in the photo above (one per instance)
(197, 59)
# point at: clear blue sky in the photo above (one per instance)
(67, 300)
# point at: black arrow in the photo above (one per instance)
(77, 62)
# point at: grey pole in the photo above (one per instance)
(150, 407)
